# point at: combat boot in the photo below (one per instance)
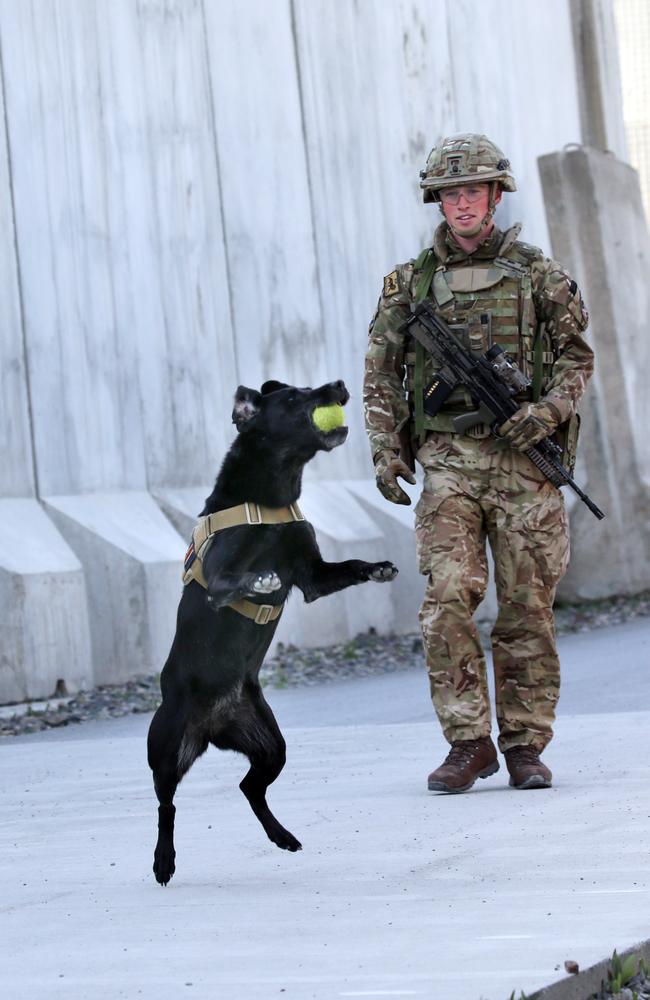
(526, 769)
(466, 761)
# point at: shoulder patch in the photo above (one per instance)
(391, 284)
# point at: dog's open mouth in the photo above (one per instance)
(329, 422)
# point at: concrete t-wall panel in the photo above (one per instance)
(187, 355)
(530, 36)
(375, 92)
(598, 230)
(118, 208)
(597, 75)
(182, 507)
(266, 200)
(44, 635)
(17, 468)
(132, 558)
(85, 401)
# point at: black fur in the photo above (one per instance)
(210, 687)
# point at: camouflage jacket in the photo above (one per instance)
(554, 307)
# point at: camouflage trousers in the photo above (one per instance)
(477, 490)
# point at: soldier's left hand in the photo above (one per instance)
(530, 424)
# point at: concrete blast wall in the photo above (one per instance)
(598, 230)
(201, 193)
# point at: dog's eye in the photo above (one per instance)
(292, 397)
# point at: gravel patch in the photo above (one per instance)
(637, 988)
(364, 656)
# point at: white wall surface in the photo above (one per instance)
(207, 193)
(17, 466)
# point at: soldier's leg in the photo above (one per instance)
(451, 552)
(528, 533)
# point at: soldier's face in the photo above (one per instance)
(464, 207)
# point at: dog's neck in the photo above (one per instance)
(248, 475)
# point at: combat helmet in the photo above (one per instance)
(465, 158)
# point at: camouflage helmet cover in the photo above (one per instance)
(464, 159)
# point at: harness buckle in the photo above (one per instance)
(263, 616)
(253, 516)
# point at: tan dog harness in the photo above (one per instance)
(207, 528)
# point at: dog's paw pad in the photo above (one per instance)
(383, 572)
(266, 583)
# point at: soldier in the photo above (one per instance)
(491, 288)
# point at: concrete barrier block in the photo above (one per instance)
(182, 507)
(44, 634)
(132, 558)
(598, 231)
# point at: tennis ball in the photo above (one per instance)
(328, 418)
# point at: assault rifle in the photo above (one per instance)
(492, 380)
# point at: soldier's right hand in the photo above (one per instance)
(388, 466)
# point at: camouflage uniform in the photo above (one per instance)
(477, 487)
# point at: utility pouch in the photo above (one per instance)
(567, 437)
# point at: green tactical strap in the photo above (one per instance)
(418, 390)
(538, 359)
(426, 261)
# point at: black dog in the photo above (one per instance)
(210, 687)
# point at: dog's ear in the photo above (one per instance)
(273, 386)
(247, 405)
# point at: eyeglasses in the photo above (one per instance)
(452, 196)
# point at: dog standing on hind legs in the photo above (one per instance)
(251, 545)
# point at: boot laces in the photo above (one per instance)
(462, 751)
(524, 754)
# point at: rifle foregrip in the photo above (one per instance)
(548, 467)
(558, 475)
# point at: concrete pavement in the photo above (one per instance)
(397, 893)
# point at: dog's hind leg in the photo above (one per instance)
(170, 755)
(256, 734)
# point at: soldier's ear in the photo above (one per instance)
(273, 386)
(247, 405)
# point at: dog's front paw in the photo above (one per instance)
(266, 583)
(383, 572)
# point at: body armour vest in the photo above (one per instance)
(485, 302)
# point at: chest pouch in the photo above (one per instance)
(483, 305)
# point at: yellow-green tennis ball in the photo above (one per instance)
(328, 418)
